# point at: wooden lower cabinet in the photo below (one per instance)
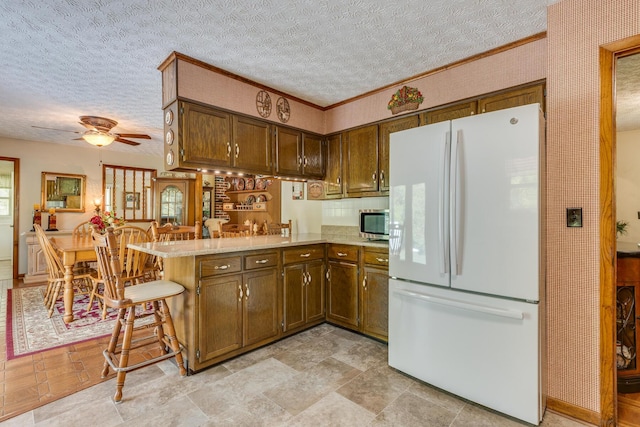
(304, 288)
(375, 293)
(342, 285)
(628, 323)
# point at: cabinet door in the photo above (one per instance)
(174, 201)
(206, 136)
(220, 316)
(251, 148)
(383, 159)
(361, 161)
(288, 152)
(342, 293)
(261, 318)
(312, 156)
(333, 177)
(375, 302)
(449, 113)
(314, 291)
(294, 315)
(514, 98)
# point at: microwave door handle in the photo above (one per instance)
(443, 254)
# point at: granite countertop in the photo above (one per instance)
(238, 244)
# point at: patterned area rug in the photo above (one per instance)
(29, 330)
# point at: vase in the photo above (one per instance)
(395, 109)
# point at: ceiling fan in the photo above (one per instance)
(99, 132)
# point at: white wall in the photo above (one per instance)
(628, 183)
(309, 215)
(38, 157)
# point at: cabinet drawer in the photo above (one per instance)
(214, 266)
(376, 257)
(344, 252)
(267, 259)
(303, 253)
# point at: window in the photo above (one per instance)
(5, 195)
(128, 192)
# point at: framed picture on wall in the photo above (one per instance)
(132, 200)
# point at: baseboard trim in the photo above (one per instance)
(573, 411)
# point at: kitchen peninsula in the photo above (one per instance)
(245, 292)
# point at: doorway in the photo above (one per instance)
(9, 182)
(611, 407)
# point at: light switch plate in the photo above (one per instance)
(574, 217)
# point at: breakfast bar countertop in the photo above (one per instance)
(183, 248)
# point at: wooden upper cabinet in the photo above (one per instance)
(386, 129)
(513, 98)
(251, 147)
(449, 113)
(298, 154)
(206, 136)
(288, 152)
(312, 156)
(361, 161)
(333, 177)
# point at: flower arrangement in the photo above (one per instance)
(106, 219)
(407, 98)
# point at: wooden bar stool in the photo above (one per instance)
(125, 299)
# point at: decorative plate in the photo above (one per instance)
(240, 184)
(260, 184)
(263, 103)
(170, 158)
(169, 137)
(250, 199)
(261, 198)
(168, 117)
(249, 183)
(283, 110)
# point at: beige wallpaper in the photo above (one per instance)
(576, 29)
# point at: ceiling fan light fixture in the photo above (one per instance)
(99, 139)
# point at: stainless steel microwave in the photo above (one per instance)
(374, 224)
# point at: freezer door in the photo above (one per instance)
(418, 204)
(495, 199)
(481, 348)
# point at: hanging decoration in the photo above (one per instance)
(407, 98)
(263, 103)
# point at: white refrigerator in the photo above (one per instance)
(466, 288)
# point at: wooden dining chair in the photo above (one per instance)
(235, 230)
(170, 232)
(279, 228)
(82, 277)
(83, 229)
(125, 299)
(134, 264)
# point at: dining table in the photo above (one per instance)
(74, 249)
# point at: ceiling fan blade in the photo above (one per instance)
(88, 126)
(133, 135)
(61, 130)
(126, 141)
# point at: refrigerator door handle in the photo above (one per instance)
(442, 208)
(453, 204)
(484, 309)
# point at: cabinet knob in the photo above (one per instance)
(228, 149)
(222, 267)
(308, 278)
(246, 290)
(237, 150)
(364, 283)
(262, 261)
(342, 254)
(381, 176)
(241, 293)
(382, 259)
(374, 176)
(307, 255)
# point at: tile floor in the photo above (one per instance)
(325, 376)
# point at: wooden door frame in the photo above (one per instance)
(608, 378)
(16, 211)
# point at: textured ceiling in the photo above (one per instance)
(66, 58)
